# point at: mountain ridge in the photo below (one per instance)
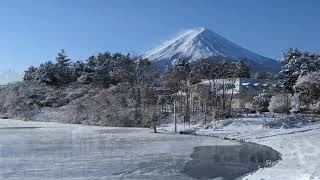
(199, 43)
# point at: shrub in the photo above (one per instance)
(261, 102)
(280, 103)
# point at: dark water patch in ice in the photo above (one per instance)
(229, 162)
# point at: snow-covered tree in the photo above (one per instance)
(145, 73)
(280, 103)
(102, 70)
(212, 68)
(87, 75)
(262, 75)
(77, 69)
(178, 76)
(30, 74)
(200, 70)
(261, 102)
(122, 68)
(297, 64)
(241, 69)
(48, 73)
(91, 64)
(295, 103)
(57, 74)
(62, 59)
(307, 88)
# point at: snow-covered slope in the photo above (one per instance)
(200, 43)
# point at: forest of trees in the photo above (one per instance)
(301, 71)
(119, 90)
(110, 89)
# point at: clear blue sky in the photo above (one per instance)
(32, 31)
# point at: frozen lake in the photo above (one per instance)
(35, 150)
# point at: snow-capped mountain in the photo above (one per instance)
(198, 43)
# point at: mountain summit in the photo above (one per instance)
(198, 43)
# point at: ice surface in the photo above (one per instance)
(38, 151)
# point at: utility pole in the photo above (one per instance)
(174, 116)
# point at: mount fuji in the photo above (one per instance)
(199, 43)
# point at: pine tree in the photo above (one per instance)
(241, 69)
(263, 75)
(30, 74)
(297, 64)
(77, 69)
(102, 70)
(62, 59)
(48, 73)
(145, 73)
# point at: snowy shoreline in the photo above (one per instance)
(299, 146)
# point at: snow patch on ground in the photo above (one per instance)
(297, 138)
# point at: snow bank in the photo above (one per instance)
(295, 137)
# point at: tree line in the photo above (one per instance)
(104, 69)
(107, 69)
(139, 80)
(121, 90)
(301, 71)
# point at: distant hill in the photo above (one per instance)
(198, 43)
(9, 76)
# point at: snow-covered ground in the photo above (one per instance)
(299, 145)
